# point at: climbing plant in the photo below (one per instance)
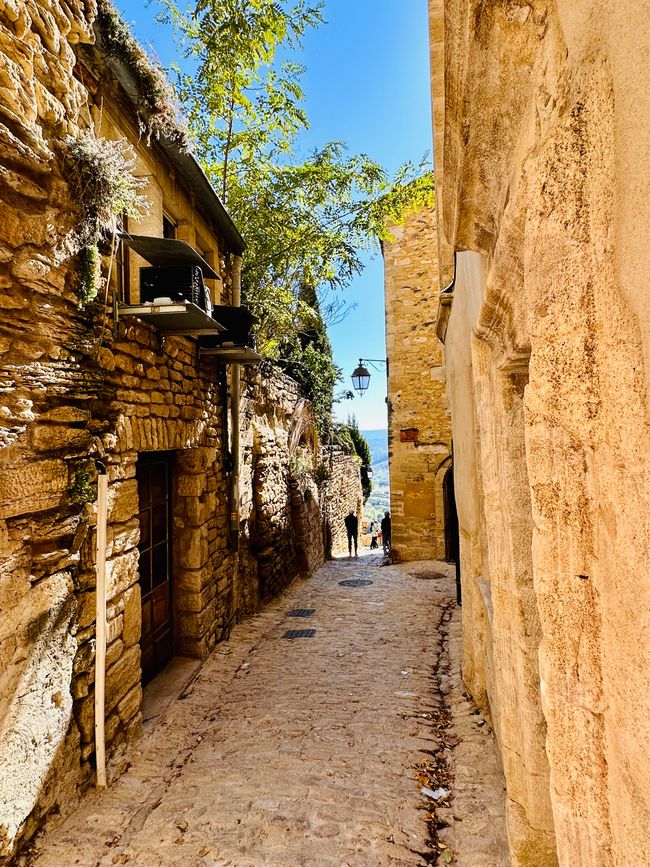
(157, 110)
(100, 174)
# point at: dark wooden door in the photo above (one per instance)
(451, 518)
(154, 474)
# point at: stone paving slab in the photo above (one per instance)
(287, 752)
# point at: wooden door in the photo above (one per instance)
(154, 474)
(451, 518)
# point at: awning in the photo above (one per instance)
(231, 355)
(167, 252)
(183, 319)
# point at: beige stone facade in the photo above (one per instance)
(419, 425)
(542, 117)
(76, 388)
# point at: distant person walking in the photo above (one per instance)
(385, 531)
(374, 532)
(352, 528)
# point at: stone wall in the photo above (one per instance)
(419, 426)
(341, 494)
(543, 123)
(75, 389)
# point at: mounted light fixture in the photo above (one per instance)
(361, 375)
(361, 378)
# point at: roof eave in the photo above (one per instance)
(184, 162)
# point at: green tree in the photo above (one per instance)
(241, 102)
(305, 221)
(362, 449)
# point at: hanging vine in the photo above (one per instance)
(100, 174)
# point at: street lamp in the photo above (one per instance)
(361, 375)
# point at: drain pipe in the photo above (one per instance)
(235, 393)
(100, 625)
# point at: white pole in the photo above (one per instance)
(100, 626)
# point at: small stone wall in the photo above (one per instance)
(342, 493)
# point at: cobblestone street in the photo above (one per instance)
(306, 751)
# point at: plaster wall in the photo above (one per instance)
(546, 176)
(419, 427)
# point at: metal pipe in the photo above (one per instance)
(235, 394)
(100, 625)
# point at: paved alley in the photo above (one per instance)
(307, 751)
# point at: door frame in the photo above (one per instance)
(167, 457)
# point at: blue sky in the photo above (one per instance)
(367, 83)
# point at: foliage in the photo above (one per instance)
(306, 221)
(305, 353)
(83, 490)
(321, 474)
(100, 174)
(341, 437)
(298, 468)
(90, 277)
(362, 449)
(306, 227)
(157, 111)
(240, 101)
(101, 179)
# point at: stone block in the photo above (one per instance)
(191, 485)
(121, 573)
(194, 548)
(122, 501)
(32, 486)
(122, 676)
(132, 616)
(52, 438)
(129, 706)
(114, 651)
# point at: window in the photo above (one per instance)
(169, 227)
(122, 266)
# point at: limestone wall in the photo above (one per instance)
(546, 181)
(419, 425)
(74, 389)
(341, 493)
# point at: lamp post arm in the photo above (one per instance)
(375, 361)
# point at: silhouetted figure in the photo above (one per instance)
(352, 528)
(385, 531)
(374, 532)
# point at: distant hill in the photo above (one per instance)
(378, 442)
(379, 500)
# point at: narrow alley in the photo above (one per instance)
(312, 750)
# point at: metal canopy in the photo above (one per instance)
(167, 252)
(232, 355)
(183, 319)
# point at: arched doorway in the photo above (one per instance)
(452, 540)
(451, 517)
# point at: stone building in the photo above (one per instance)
(186, 553)
(419, 426)
(542, 118)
